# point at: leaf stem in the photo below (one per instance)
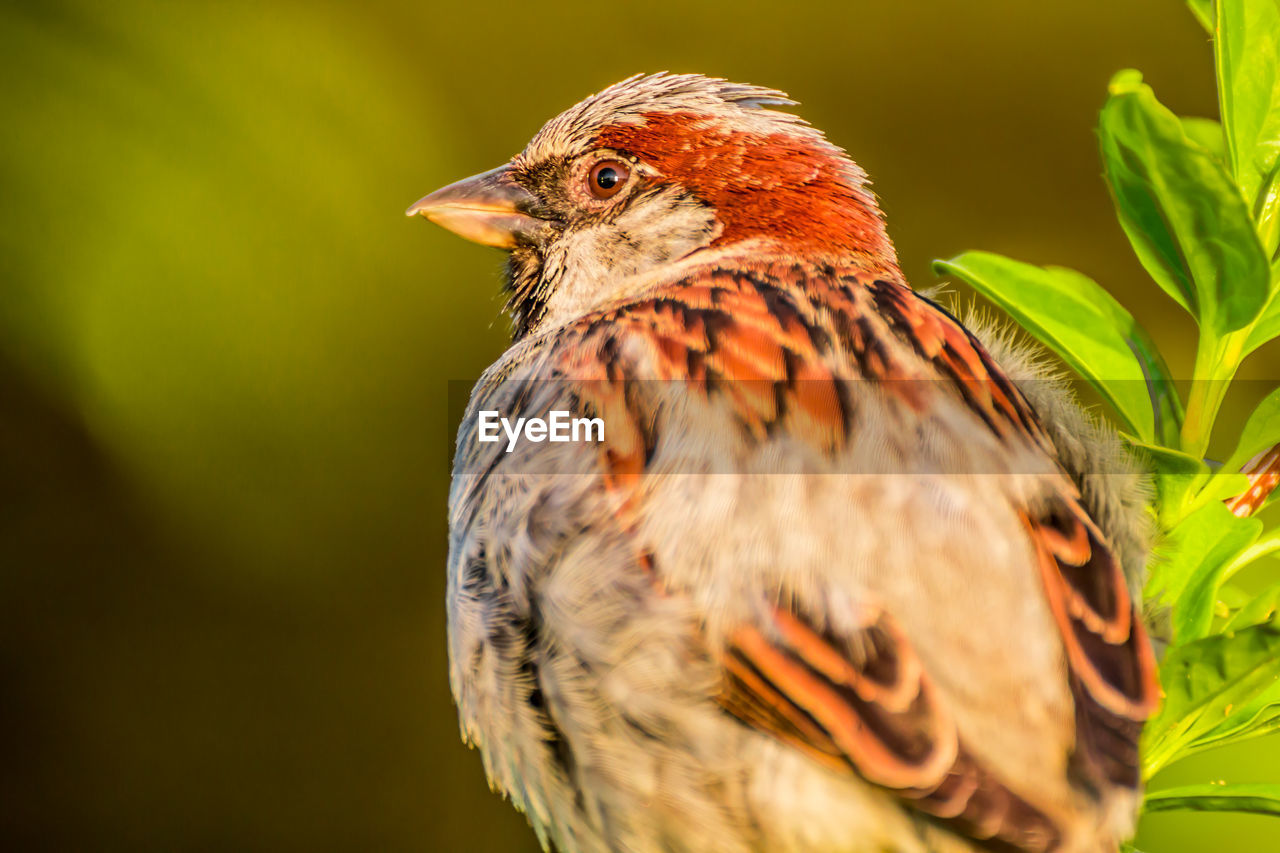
(1217, 360)
(1269, 543)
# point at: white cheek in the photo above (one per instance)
(587, 263)
(593, 266)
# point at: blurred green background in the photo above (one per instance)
(224, 357)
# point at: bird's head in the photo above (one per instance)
(650, 171)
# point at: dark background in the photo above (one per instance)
(225, 355)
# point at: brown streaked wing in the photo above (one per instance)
(865, 703)
(1113, 669)
(1113, 672)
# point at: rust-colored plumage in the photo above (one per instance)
(1263, 472)
(764, 184)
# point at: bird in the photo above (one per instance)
(840, 572)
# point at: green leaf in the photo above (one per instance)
(1231, 600)
(1178, 557)
(1218, 538)
(1207, 133)
(1267, 327)
(1266, 213)
(1182, 212)
(1088, 328)
(1178, 475)
(1257, 718)
(1203, 11)
(1261, 716)
(1261, 431)
(1266, 544)
(1260, 608)
(1256, 797)
(1201, 681)
(1224, 484)
(1247, 52)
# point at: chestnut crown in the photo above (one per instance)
(646, 174)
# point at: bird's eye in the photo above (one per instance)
(607, 177)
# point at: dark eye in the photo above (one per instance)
(607, 177)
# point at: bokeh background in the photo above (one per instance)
(225, 356)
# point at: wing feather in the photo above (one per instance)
(868, 697)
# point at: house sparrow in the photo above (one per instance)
(839, 576)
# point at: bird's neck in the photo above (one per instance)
(773, 259)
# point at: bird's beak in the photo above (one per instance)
(490, 208)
